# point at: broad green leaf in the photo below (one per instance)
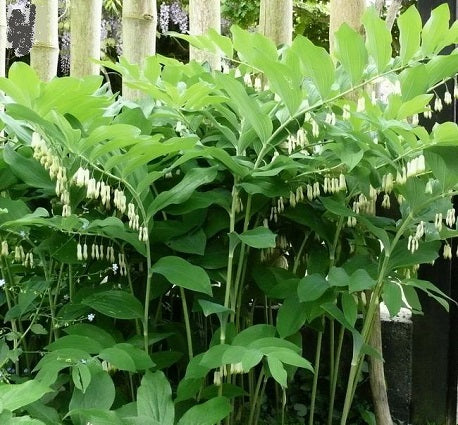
(211, 412)
(100, 394)
(82, 342)
(351, 52)
(183, 190)
(117, 304)
(247, 106)
(414, 82)
(260, 237)
(15, 396)
(360, 281)
(28, 170)
(254, 333)
(409, 24)
(414, 106)
(192, 243)
(96, 416)
(277, 371)
(184, 274)
(154, 398)
(290, 357)
(378, 38)
(336, 207)
(392, 297)
(81, 376)
(338, 277)
(26, 80)
(349, 308)
(141, 359)
(312, 287)
(209, 307)
(291, 316)
(435, 29)
(316, 63)
(91, 331)
(402, 257)
(118, 358)
(442, 162)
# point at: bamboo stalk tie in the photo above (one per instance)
(142, 17)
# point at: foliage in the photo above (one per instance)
(160, 260)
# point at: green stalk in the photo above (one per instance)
(335, 375)
(186, 322)
(254, 400)
(332, 369)
(230, 259)
(368, 322)
(131, 287)
(315, 376)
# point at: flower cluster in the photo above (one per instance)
(52, 164)
(175, 14)
(334, 184)
(299, 140)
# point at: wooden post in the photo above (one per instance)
(139, 20)
(203, 15)
(45, 49)
(3, 38)
(86, 18)
(276, 20)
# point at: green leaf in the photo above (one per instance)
(38, 329)
(378, 38)
(209, 307)
(260, 237)
(402, 257)
(91, 331)
(289, 357)
(211, 412)
(414, 82)
(349, 308)
(291, 316)
(360, 281)
(28, 170)
(254, 333)
(82, 342)
(351, 52)
(392, 297)
(154, 398)
(15, 396)
(184, 274)
(409, 24)
(277, 371)
(435, 29)
(312, 287)
(192, 243)
(96, 416)
(141, 359)
(247, 107)
(81, 376)
(414, 106)
(338, 277)
(118, 358)
(182, 191)
(443, 164)
(316, 63)
(336, 207)
(100, 393)
(117, 304)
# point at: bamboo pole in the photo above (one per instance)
(85, 22)
(139, 20)
(44, 54)
(203, 15)
(276, 20)
(3, 38)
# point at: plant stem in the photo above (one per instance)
(254, 400)
(230, 259)
(315, 376)
(186, 322)
(368, 322)
(335, 375)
